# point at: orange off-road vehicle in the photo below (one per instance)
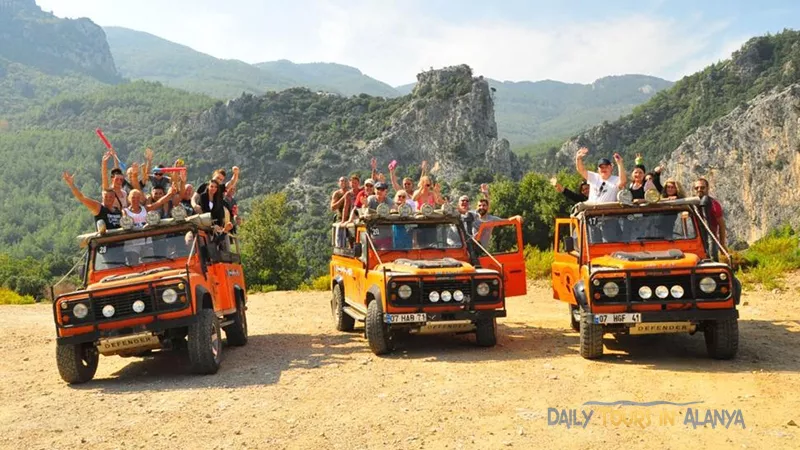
(421, 273)
(168, 285)
(644, 269)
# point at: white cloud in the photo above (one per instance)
(394, 40)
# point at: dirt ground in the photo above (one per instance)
(300, 384)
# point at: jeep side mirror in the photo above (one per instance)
(569, 244)
(358, 250)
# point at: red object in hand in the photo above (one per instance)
(393, 164)
(103, 138)
(168, 169)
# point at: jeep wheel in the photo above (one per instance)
(722, 338)
(237, 331)
(77, 363)
(341, 320)
(486, 332)
(379, 336)
(591, 339)
(575, 317)
(205, 343)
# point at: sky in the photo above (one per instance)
(513, 40)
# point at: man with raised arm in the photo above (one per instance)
(603, 186)
(106, 211)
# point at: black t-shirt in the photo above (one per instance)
(110, 217)
(187, 205)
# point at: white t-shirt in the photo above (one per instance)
(601, 190)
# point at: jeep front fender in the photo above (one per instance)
(579, 291)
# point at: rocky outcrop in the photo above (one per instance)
(751, 158)
(35, 38)
(450, 120)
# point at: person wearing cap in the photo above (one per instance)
(603, 185)
(468, 218)
(380, 196)
(363, 194)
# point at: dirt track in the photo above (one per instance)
(300, 384)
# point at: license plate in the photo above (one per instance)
(618, 318)
(405, 318)
(662, 327)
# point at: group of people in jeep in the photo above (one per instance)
(124, 193)
(351, 195)
(603, 186)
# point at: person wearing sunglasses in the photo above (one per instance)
(603, 185)
(714, 216)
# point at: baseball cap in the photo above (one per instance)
(603, 161)
(369, 181)
(381, 185)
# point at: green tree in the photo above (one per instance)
(269, 256)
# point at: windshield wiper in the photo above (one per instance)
(117, 263)
(158, 257)
(652, 238)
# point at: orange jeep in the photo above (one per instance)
(168, 285)
(644, 269)
(421, 273)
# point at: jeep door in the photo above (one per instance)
(223, 268)
(565, 270)
(503, 240)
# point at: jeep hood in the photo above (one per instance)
(422, 266)
(120, 280)
(646, 260)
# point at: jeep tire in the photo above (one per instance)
(205, 343)
(591, 337)
(722, 338)
(237, 331)
(486, 332)
(341, 320)
(575, 317)
(77, 363)
(378, 334)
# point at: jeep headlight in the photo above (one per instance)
(80, 311)
(483, 289)
(458, 295)
(433, 296)
(169, 296)
(611, 289)
(708, 285)
(404, 291)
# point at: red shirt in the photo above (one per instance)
(715, 216)
(361, 198)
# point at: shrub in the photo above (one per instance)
(9, 297)
(321, 283)
(769, 258)
(261, 288)
(538, 263)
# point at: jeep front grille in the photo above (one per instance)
(464, 286)
(123, 305)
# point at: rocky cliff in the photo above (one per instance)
(751, 158)
(450, 120)
(38, 39)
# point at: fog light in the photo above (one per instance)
(126, 222)
(80, 311)
(448, 209)
(708, 285)
(178, 213)
(383, 210)
(458, 296)
(153, 218)
(406, 210)
(426, 210)
(645, 292)
(169, 296)
(676, 291)
(446, 296)
(652, 196)
(625, 196)
(108, 310)
(138, 306)
(662, 292)
(433, 296)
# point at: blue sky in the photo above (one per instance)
(515, 40)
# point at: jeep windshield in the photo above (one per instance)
(640, 227)
(138, 251)
(416, 236)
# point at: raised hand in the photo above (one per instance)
(374, 164)
(424, 165)
(485, 189)
(108, 155)
(148, 154)
(583, 151)
(70, 179)
(235, 170)
(617, 157)
(559, 188)
(437, 188)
